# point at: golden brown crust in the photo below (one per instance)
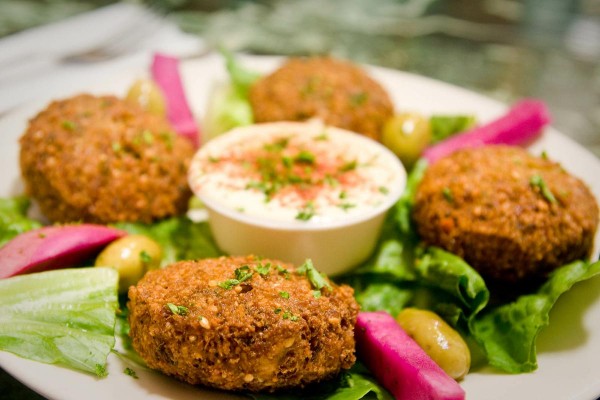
(481, 204)
(102, 159)
(338, 92)
(250, 337)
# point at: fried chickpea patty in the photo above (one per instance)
(512, 216)
(338, 92)
(102, 159)
(240, 323)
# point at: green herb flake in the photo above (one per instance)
(229, 284)
(538, 182)
(168, 138)
(116, 147)
(316, 294)
(277, 310)
(358, 99)
(322, 137)
(263, 270)
(147, 137)
(448, 196)
(307, 212)
(284, 295)
(178, 310)
(241, 274)
(343, 194)
(305, 157)
(317, 280)
(69, 125)
(130, 372)
(289, 315)
(283, 271)
(346, 206)
(383, 190)
(349, 166)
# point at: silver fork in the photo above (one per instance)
(122, 40)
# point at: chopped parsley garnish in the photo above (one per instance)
(383, 189)
(147, 137)
(241, 274)
(343, 194)
(263, 270)
(358, 99)
(277, 310)
(290, 316)
(305, 157)
(349, 166)
(316, 294)
(317, 280)
(447, 193)
(307, 212)
(284, 295)
(281, 163)
(283, 271)
(69, 125)
(116, 147)
(178, 310)
(346, 206)
(130, 372)
(538, 182)
(168, 138)
(322, 136)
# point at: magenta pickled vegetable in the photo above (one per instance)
(519, 126)
(54, 247)
(165, 72)
(398, 363)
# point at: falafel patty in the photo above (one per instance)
(242, 323)
(338, 92)
(103, 159)
(512, 216)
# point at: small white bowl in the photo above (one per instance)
(336, 240)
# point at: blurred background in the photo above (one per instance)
(506, 49)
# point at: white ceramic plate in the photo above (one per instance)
(567, 349)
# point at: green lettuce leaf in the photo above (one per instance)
(508, 333)
(64, 317)
(444, 126)
(179, 237)
(451, 274)
(241, 77)
(354, 384)
(13, 218)
(229, 106)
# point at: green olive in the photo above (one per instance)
(407, 135)
(132, 256)
(442, 343)
(148, 95)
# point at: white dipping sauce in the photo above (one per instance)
(304, 173)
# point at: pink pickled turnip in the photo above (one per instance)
(54, 247)
(165, 72)
(519, 126)
(398, 363)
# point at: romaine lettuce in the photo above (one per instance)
(179, 237)
(508, 333)
(13, 218)
(64, 317)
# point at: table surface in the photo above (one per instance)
(501, 48)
